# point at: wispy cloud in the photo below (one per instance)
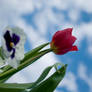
(70, 82)
(82, 73)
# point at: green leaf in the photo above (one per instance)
(50, 84)
(0, 51)
(28, 85)
(1, 54)
(34, 51)
(13, 87)
(16, 85)
(45, 73)
(29, 54)
(37, 86)
(11, 90)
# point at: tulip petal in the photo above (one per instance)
(62, 41)
(59, 35)
(73, 39)
(68, 31)
(74, 48)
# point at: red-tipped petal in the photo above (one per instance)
(73, 39)
(62, 34)
(68, 31)
(74, 48)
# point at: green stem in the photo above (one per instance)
(23, 65)
(1, 54)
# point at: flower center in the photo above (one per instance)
(11, 44)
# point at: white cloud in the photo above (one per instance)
(65, 4)
(82, 73)
(11, 11)
(83, 4)
(35, 37)
(90, 50)
(58, 91)
(85, 31)
(69, 82)
(17, 6)
(18, 78)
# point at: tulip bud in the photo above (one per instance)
(62, 42)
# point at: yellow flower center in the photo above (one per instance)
(11, 44)
(54, 48)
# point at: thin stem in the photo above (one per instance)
(24, 64)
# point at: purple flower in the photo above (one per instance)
(13, 45)
(11, 41)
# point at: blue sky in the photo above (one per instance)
(40, 19)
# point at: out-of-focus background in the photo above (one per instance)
(40, 19)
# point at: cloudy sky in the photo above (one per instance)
(40, 19)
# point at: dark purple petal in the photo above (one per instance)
(15, 39)
(11, 39)
(13, 54)
(8, 39)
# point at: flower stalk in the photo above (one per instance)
(24, 64)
